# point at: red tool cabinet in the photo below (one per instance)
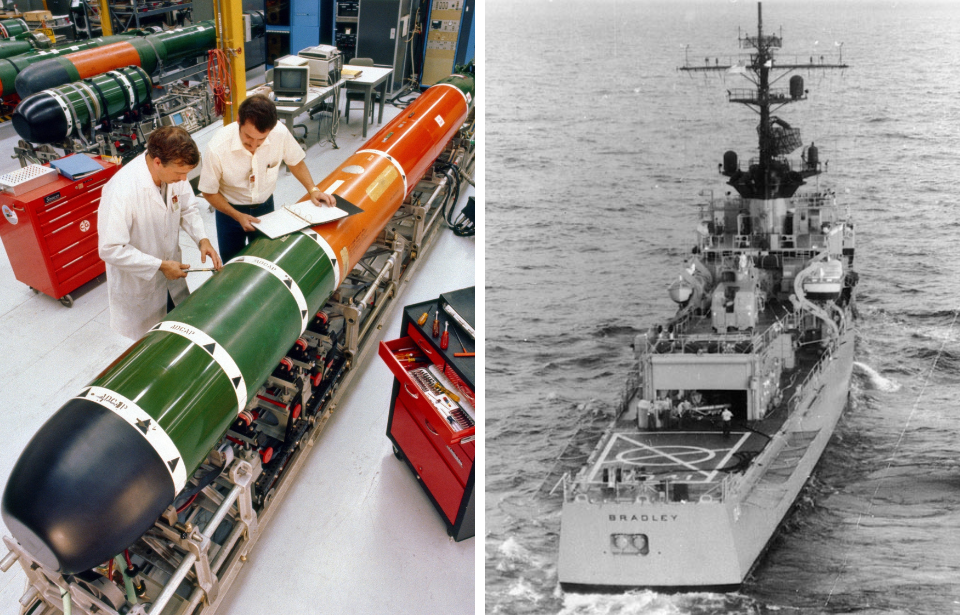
(439, 451)
(50, 233)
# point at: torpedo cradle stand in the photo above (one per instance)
(50, 232)
(203, 424)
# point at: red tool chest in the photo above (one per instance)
(50, 233)
(437, 444)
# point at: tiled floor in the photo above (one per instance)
(355, 534)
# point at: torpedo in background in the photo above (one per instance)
(148, 52)
(25, 44)
(12, 28)
(102, 469)
(36, 41)
(53, 115)
(10, 67)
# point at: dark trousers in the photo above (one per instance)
(230, 235)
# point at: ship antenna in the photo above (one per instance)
(771, 175)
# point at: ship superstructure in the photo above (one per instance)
(732, 399)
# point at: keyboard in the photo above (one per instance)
(289, 99)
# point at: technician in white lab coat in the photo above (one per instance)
(142, 209)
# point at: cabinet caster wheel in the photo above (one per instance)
(35, 291)
(397, 453)
(67, 300)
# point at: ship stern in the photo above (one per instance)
(616, 546)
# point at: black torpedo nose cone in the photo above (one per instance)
(40, 76)
(40, 119)
(86, 487)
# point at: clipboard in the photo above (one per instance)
(296, 216)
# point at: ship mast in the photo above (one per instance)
(771, 175)
(763, 60)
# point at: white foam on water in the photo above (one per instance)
(876, 381)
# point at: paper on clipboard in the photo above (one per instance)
(295, 216)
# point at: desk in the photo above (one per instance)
(315, 96)
(371, 77)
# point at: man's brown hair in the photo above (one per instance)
(173, 145)
(259, 111)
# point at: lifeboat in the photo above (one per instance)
(825, 282)
(680, 291)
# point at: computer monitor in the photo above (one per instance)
(291, 81)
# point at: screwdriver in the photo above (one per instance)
(459, 340)
(436, 324)
(423, 318)
(442, 389)
(445, 338)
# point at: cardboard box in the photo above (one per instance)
(37, 15)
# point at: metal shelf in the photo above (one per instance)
(134, 15)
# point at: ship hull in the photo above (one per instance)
(714, 542)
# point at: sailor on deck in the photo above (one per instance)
(727, 417)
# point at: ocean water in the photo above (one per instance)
(597, 153)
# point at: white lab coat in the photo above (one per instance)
(137, 231)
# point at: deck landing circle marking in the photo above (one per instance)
(666, 455)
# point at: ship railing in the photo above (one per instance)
(633, 487)
(631, 387)
(743, 343)
(754, 42)
(816, 200)
(801, 388)
(746, 95)
(726, 203)
(728, 244)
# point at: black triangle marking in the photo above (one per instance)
(173, 464)
(288, 282)
(334, 262)
(303, 313)
(143, 425)
(156, 326)
(311, 235)
(210, 347)
(236, 382)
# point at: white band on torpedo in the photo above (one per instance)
(393, 161)
(127, 85)
(148, 427)
(328, 250)
(284, 277)
(66, 109)
(459, 91)
(93, 98)
(215, 350)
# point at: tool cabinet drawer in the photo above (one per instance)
(435, 474)
(83, 258)
(429, 350)
(444, 435)
(71, 227)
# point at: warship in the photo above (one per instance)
(733, 399)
